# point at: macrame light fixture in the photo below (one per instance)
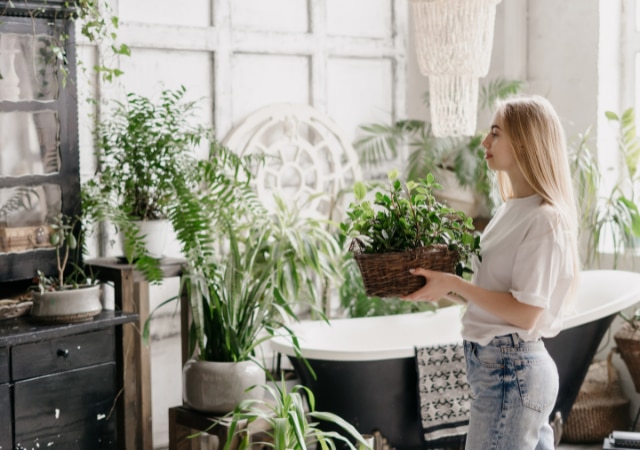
(453, 41)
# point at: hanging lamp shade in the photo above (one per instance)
(453, 41)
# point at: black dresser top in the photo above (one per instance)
(25, 329)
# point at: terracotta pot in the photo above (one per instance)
(71, 305)
(218, 387)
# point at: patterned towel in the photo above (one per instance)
(445, 395)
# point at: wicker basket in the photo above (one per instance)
(600, 407)
(387, 274)
(628, 343)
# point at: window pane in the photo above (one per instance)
(29, 143)
(23, 216)
(196, 13)
(274, 15)
(359, 92)
(260, 80)
(28, 67)
(344, 18)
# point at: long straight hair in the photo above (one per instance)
(540, 151)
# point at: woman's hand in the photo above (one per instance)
(439, 285)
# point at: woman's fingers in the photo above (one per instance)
(420, 271)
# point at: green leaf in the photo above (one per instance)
(360, 190)
(611, 115)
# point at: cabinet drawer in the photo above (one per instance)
(6, 438)
(70, 410)
(4, 364)
(65, 353)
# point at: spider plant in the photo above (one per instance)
(246, 267)
(292, 425)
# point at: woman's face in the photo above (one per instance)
(499, 154)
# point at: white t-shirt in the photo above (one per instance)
(524, 251)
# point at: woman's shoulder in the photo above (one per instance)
(547, 218)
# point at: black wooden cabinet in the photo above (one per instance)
(59, 384)
(6, 441)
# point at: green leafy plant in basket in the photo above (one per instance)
(406, 227)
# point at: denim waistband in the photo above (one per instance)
(509, 340)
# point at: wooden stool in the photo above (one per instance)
(185, 422)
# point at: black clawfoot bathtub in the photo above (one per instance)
(366, 371)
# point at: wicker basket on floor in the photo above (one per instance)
(600, 407)
(387, 274)
(628, 344)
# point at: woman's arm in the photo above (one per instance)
(501, 304)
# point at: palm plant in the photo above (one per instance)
(429, 154)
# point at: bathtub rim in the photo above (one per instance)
(602, 310)
(284, 345)
(630, 295)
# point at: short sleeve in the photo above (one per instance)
(540, 263)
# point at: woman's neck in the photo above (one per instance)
(520, 187)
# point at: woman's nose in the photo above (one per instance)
(485, 141)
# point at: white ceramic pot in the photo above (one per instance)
(154, 235)
(72, 305)
(218, 387)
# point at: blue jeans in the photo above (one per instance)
(514, 385)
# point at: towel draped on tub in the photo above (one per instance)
(444, 395)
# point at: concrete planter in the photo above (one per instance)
(71, 305)
(217, 387)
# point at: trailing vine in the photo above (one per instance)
(96, 22)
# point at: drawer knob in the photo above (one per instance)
(63, 352)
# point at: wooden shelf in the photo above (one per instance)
(131, 291)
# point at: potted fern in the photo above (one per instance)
(406, 227)
(143, 148)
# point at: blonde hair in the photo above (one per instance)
(540, 151)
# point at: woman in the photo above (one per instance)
(521, 283)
